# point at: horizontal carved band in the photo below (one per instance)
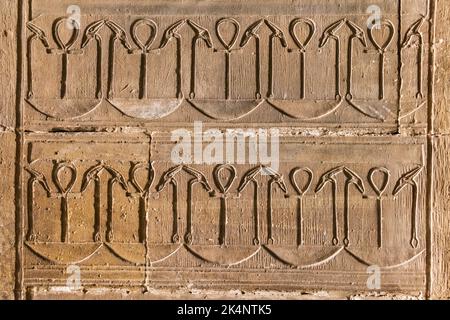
(255, 52)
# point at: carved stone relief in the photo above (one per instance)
(102, 95)
(229, 68)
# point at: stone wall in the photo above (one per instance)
(352, 190)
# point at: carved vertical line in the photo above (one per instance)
(30, 10)
(258, 68)
(380, 221)
(350, 68)
(414, 216)
(30, 190)
(179, 69)
(399, 66)
(146, 241)
(29, 67)
(143, 77)
(432, 16)
(112, 47)
(430, 154)
(299, 221)
(269, 212)
(64, 66)
(270, 71)
(189, 227)
(97, 208)
(346, 213)
(146, 233)
(335, 215)
(227, 75)
(256, 240)
(381, 75)
(99, 68)
(338, 68)
(175, 235)
(64, 219)
(193, 61)
(420, 55)
(143, 219)
(109, 218)
(302, 75)
(223, 221)
(19, 212)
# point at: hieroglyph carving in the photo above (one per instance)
(304, 34)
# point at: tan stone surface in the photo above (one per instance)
(361, 181)
(8, 58)
(7, 217)
(440, 211)
(442, 65)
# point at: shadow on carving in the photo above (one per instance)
(63, 107)
(142, 253)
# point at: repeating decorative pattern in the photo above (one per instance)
(303, 31)
(100, 191)
(341, 236)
